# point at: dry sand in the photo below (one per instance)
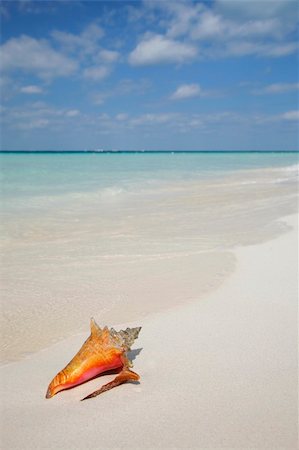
(217, 373)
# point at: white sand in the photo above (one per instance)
(218, 373)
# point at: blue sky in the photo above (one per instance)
(149, 75)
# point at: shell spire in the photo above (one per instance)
(103, 351)
(126, 337)
(94, 327)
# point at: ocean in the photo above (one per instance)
(119, 236)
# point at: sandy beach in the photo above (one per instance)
(220, 372)
(149, 179)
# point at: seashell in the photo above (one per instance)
(103, 351)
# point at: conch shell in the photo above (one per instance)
(103, 351)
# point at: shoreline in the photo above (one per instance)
(109, 265)
(146, 151)
(215, 267)
(217, 372)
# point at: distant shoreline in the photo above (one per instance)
(146, 151)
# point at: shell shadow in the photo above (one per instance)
(132, 354)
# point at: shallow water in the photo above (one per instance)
(119, 236)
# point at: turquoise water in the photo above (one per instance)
(26, 177)
(36, 174)
(119, 236)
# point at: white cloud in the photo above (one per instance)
(86, 46)
(277, 50)
(214, 26)
(36, 7)
(99, 98)
(157, 49)
(183, 17)
(108, 56)
(33, 124)
(288, 116)
(277, 88)
(231, 28)
(184, 122)
(124, 87)
(250, 9)
(4, 11)
(244, 48)
(121, 117)
(154, 118)
(35, 115)
(39, 123)
(31, 89)
(35, 56)
(96, 73)
(186, 91)
(209, 25)
(72, 113)
(291, 115)
(87, 42)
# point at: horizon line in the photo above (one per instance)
(148, 151)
